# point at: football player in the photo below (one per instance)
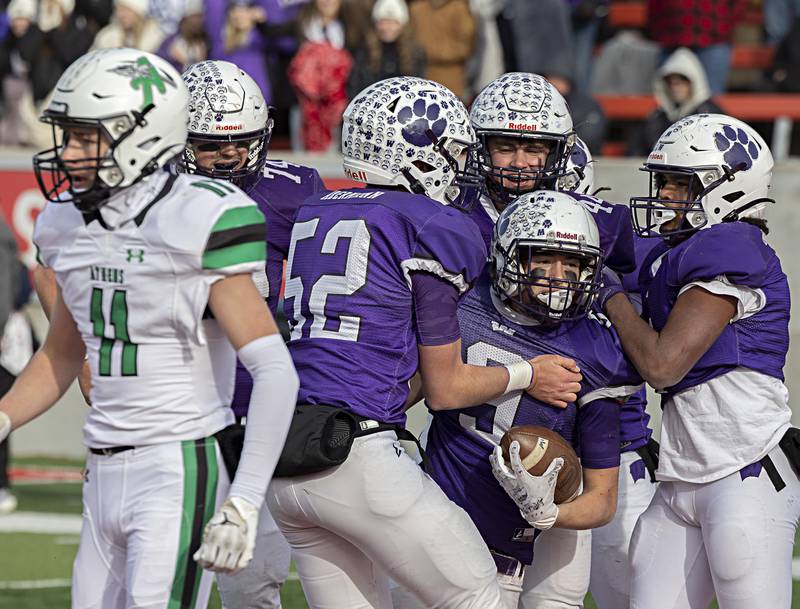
(229, 131)
(527, 136)
(154, 286)
(372, 285)
(723, 518)
(543, 274)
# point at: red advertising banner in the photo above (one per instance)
(21, 201)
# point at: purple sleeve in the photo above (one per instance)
(615, 230)
(453, 244)
(435, 305)
(736, 250)
(598, 429)
(617, 233)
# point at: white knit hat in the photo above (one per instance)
(395, 10)
(22, 9)
(140, 7)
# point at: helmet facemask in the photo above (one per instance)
(255, 143)
(57, 176)
(463, 159)
(504, 184)
(650, 214)
(524, 284)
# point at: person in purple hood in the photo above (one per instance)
(723, 519)
(229, 131)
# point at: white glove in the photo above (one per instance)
(532, 494)
(229, 537)
(5, 425)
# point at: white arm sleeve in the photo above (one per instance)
(272, 405)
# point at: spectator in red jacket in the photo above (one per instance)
(704, 26)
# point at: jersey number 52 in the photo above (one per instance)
(314, 300)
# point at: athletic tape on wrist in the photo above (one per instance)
(520, 376)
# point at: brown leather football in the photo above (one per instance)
(538, 446)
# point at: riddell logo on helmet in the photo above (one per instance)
(521, 127)
(655, 156)
(238, 127)
(358, 176)
(570, 236)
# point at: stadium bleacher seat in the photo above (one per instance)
(782, 108)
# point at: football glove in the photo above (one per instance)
(229, 537)
(532, 494)
(611, 287)
(5, 425)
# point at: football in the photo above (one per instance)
(538, 446)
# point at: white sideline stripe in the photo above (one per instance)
(40, 522)
(35, 584)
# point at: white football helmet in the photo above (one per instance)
(226, 105)
(535, 225)
(414, 133)
(730, 171)
(522, 105)
(137, 102)
(579, 176)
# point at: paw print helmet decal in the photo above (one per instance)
(579, 176)
(523, 106)
(136, 101)
(729, 168)
(530, 236)
(414, 133)
(226, 106)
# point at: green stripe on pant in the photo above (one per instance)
(201, 475)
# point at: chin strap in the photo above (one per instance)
(413, 183)
(736, 214)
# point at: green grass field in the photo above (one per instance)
(35, 568)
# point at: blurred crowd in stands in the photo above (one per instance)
(311, 56)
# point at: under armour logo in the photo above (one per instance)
(137, 255)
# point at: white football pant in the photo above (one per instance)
(144, 511)
(732, 537)
(610, 579)
(559, 575)
(377, 516)
(258, 585)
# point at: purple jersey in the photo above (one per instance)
(348, 295)
(460, 441)
(278, 191)
(737, 251)
(613, 223)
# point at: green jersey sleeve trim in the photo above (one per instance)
(237, 217)
(238, 237)
(233, 255)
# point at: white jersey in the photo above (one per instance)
(136, 277)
